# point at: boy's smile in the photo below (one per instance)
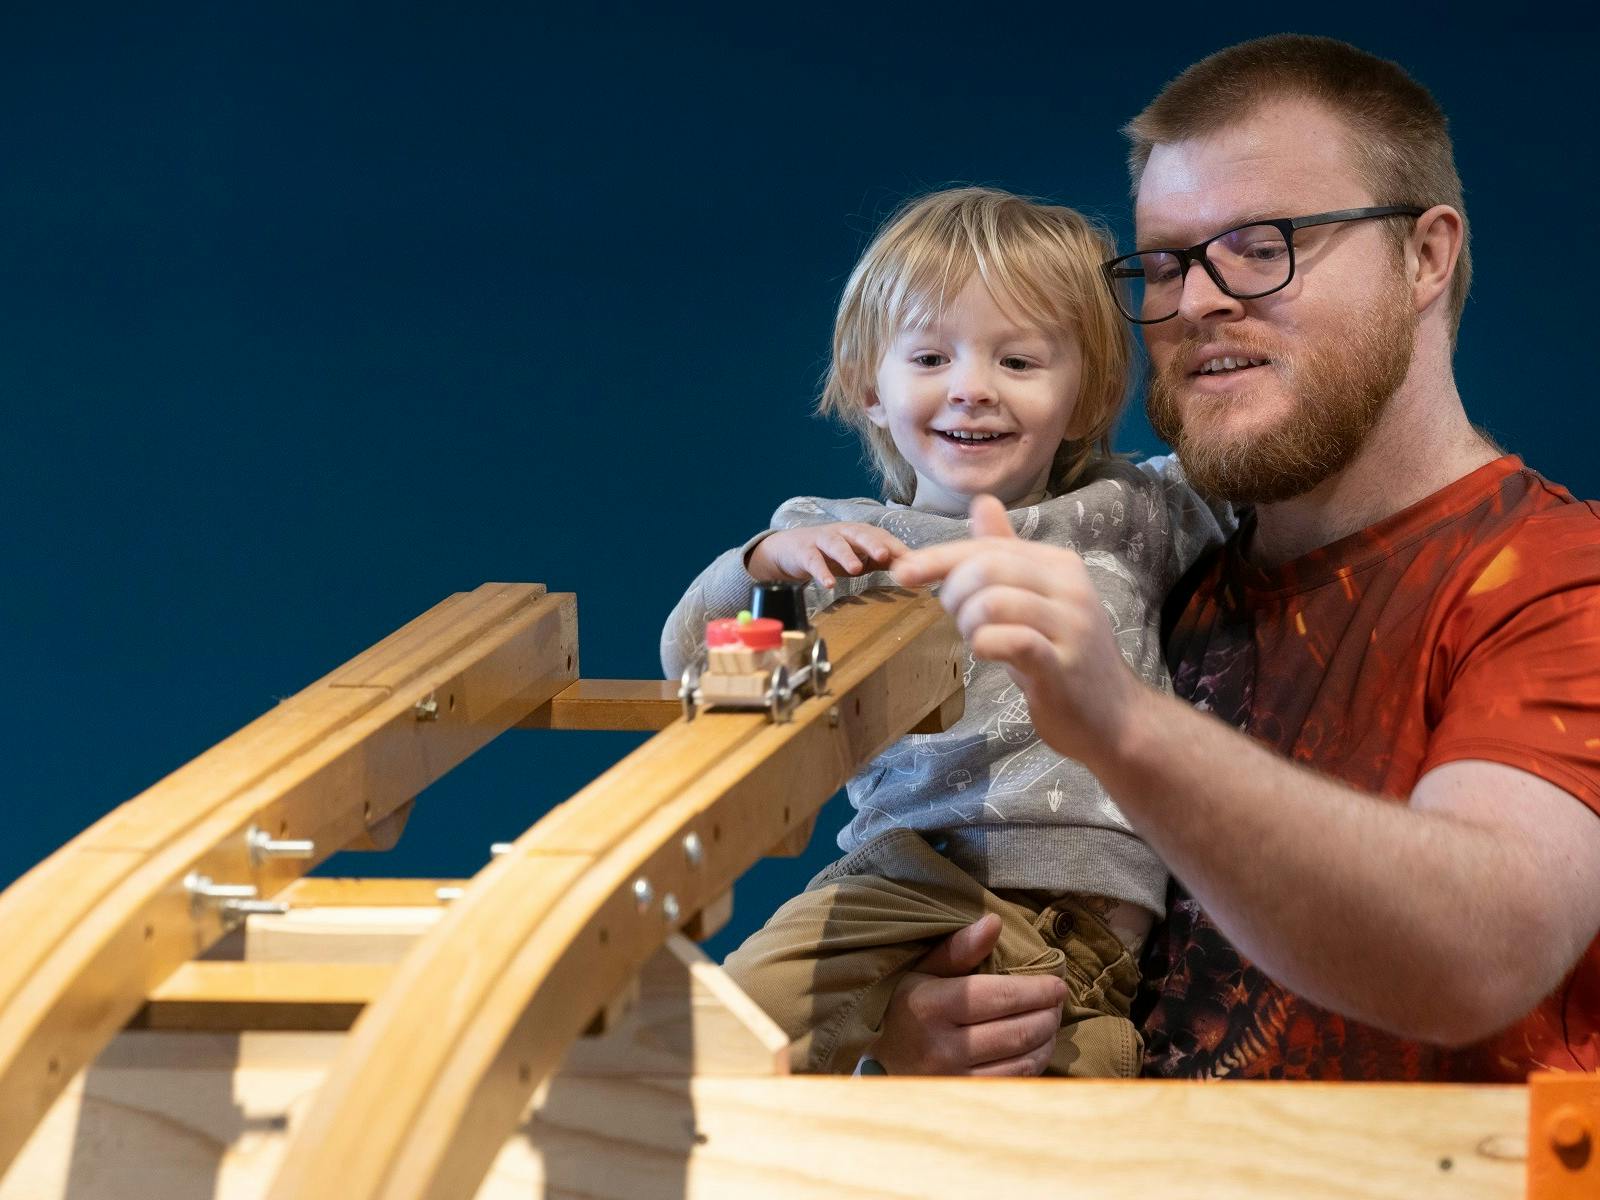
(978, 401)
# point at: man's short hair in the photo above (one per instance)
(1400, 139)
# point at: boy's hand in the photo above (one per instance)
(821, 552)
(1033, 608)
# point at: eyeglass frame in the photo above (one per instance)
(1197, 253)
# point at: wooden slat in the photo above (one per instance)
(89, 933)
(323, 891)
(813, 1137)
(636, 704)
(433, 1080)
(263, 995)
(192, 1115)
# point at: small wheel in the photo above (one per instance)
(821, 668)
(687, 687)
(780, 696)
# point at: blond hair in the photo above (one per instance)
(1399, 137)
(1041, 260)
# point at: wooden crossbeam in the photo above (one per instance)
(425, 1091)
(253, 995)
(89, 933)
(636, 704)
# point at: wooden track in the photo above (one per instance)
(548, 1031)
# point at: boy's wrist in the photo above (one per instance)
(756, 564)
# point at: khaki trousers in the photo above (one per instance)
(826, 964)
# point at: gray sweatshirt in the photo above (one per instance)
(989, 793)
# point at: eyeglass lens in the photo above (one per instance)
(1252, 261)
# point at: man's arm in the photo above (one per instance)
(1441, 920)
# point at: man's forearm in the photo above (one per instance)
(1420, 922)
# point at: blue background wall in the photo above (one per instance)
(311, 317)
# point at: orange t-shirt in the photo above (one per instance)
(1464, 627)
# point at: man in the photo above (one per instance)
(1394, 871)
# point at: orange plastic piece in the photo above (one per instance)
(1563, 1136)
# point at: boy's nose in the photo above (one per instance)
(972, 386)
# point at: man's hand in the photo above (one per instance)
(944, 1021)
(1034, 608)
(820, 552)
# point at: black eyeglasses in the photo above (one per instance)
(1247, 262)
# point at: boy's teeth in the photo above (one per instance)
(965, 436)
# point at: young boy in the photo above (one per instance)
(977, 350)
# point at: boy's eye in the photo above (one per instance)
(1012, 363)
(928, 360)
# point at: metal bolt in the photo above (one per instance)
(833, 717)
(427, 710)
(643, 893)
(230, 899)
(669, 908)
(446, 894)
(263, 846)
(254, 908)
(693, 849)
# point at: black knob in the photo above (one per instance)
(782, 601)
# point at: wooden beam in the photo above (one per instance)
(86, 935)
(636, 704)
(426, 1092)
(688, 1018)
(190, 1115)
(263, 995)
(320, 891)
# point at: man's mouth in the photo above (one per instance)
(1229, 362)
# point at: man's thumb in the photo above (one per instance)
(964, 950)
(989, 518)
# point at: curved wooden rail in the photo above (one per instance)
(89, 933)
(437, 1072)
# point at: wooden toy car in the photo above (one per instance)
(765, 657)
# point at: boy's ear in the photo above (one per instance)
(875, 411)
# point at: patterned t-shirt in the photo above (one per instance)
(1464, 627)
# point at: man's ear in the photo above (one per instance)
(1432, 253)
(875, 411)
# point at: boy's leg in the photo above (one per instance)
(826, 964)
(1097, 1038)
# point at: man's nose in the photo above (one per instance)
(1202, 300)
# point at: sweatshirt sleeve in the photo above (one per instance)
(723, 588)
(1193, 524)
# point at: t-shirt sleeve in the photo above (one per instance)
(1517, 676)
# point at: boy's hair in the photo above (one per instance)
(1399, 137)
(1041, 261)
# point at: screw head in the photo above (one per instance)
(643, 894)
(669, 907)
(1567, 1127)
(693, 848)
